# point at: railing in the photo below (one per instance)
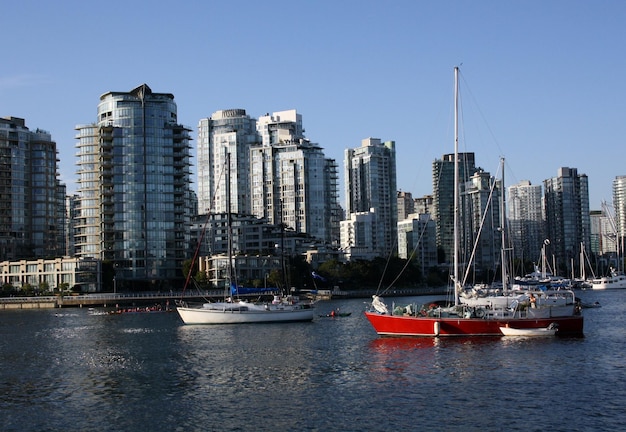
(108, 298)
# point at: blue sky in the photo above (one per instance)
(542, 81)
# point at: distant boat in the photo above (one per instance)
(138, 310)
(616, 280)
(531, 332)
(335, 314)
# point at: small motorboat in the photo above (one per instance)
(544, 331)
(334, 314)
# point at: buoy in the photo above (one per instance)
(436, 328)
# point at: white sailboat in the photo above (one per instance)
(283, 308)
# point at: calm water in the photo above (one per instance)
(67, 369)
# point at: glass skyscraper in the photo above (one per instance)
(31, 196)
(134, 197)
(443, 197)
(230, 132)
(568, 225)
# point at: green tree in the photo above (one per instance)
(27, 289)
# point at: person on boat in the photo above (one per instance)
(533, 301)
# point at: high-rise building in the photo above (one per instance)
(406, 205)
(229, 131)
(280, 126)
(480, 206)
(443, 197)
(134, 188)
(276, 174)
(566, 200)
(619, 205)
(525, 218)
(294, 184)
(424, 204)
(370, 178)
(31, 197)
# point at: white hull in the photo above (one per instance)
(539, 332)
(255, 314)
(609, 283)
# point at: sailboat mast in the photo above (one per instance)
(456, 186)
(229, 225)
(582, 261)
(504, 262)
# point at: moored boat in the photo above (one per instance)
(615, 280)
(232, 310)
(477, 314)
(530, 332)
(463, 321)
(281, 309)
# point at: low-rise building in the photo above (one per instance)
(53, 275)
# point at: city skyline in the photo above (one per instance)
(544, 75)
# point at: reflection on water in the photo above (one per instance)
(73, 369)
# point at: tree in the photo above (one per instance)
(7, 289)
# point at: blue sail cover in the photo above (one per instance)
(236, 290)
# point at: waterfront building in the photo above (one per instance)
(56, 275)
(359, 236)
(525, 218)
(258, 247)
(566, 200)
(443, 197)
(619, 205)
(32, 220)
(134, 198)
(230, 132)
(71, 214)
(417, 240)
(370, 180)
(292, 182)
(278, 180)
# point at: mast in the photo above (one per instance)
(582, 262)
(229, 227)
(504, 263)
(544, 258)
(457, 288)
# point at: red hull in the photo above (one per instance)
(389, 325)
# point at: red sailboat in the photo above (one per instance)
(479, 312)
